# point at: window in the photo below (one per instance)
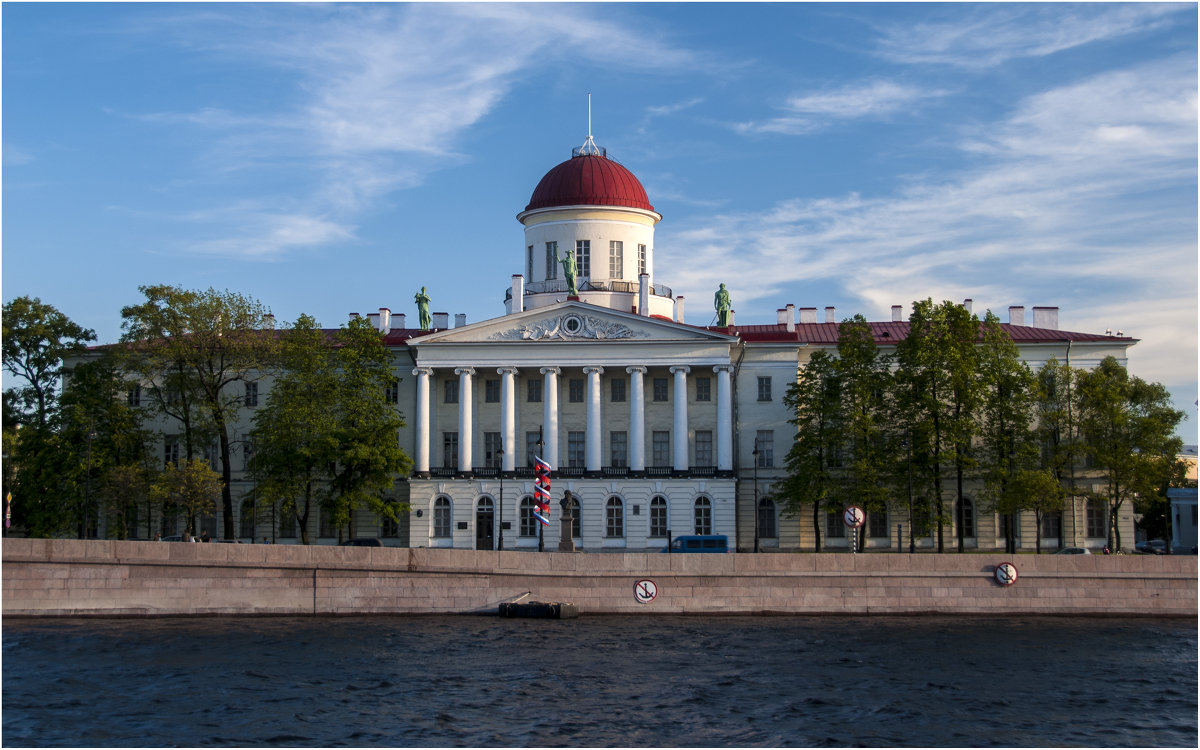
(134, 396)
(618, 390)
(389, 529)
(583, 258)
(1097, 526)
(491, 391)
(247, 452)
(877, 524)
(251, 394)
(764, 389)
(703, 515)
(492, 448)
(968, 517)
(531, 446)
(528, 525)
(614, 518)
(1007, 520)
(704, 389)
(575, 447)
(391, 393)
(766, 519)
(575, 390)
(551, 260)
(533, 390)
(660, 389)
(327, 527)
(658, 517)
(450, 392)
(641, 259)
(450, 450)
(576, 517)
(619, 444)
(173, 396)
(441, 517)
(835, 527)
(615, 251)
(287, 525)
(704, 448)
(1052, 525)
(660, 443)
(529, 263)
(213, 455)
(246, 520)
(765, 442)
(171, 451)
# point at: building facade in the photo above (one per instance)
(653, 427)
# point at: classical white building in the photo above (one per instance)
(653, 427)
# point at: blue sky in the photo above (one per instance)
(335, 158)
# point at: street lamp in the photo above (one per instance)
(500, 545)
(755, 454)
(912, 541)
(541, 526)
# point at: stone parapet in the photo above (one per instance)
(111, 578)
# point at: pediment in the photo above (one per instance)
(571, 322)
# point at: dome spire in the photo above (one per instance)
(589, 147)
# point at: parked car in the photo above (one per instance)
(172, 538)
(706, 543)
(361, 542)
(1074, 551)
(1152, 547)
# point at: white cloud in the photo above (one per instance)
(811, 112)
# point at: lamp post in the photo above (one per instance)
(912, 542)
(755, 454)
(248, 455)
(87, 492)
(500, 544)
(541, 526)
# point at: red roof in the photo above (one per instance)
(589, 180)
(892, 332)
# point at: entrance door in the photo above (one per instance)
(484, 524)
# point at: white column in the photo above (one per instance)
(550, 415)
(680, 438)
(637, 418)
(508, 417)
(592, 452)
(724, 419)
(421, 434)
(465, 422)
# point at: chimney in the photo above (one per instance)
(398, 322)
(270, 321)
(731, 314)
(679, 309)
(1045, 317)
(830, 314)
(781, 316)
(790, 321)
(518, 294)
(1016, 315)
(374, 318)
(385, 320)
(441, 320)
(967, 304)
(460, 320)
(808, 315)
(353, 316)
(897, 313)
(644, 294)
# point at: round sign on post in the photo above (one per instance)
(854, 517)
(645, 590)
(1006, 574)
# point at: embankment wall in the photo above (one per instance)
(109, 578)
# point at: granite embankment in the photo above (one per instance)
(110, 578)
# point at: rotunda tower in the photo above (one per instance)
(593, 208)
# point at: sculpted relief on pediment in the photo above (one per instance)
(568, 327)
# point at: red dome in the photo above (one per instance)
(589, 180)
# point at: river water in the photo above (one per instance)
(624, 681)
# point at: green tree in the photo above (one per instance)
(1007, 441)
(37, 338)
(815, 402)
(124, 492)
(192, 488)
(205, 343)
(936, 394)
(1128, 428)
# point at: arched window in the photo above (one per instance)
(441, 517)
(528, 523)
(703, 515)
(659, 526)
(287, 522)
(968, 517)
(877, 524)
(766, 519)
(576, 518)
(614, 518)
(835, 524)
(247, 520)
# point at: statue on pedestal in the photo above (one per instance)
(723, 304)
(566, 542)
(570, 270)
(422, 300)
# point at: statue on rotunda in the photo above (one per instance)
(570, 269)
